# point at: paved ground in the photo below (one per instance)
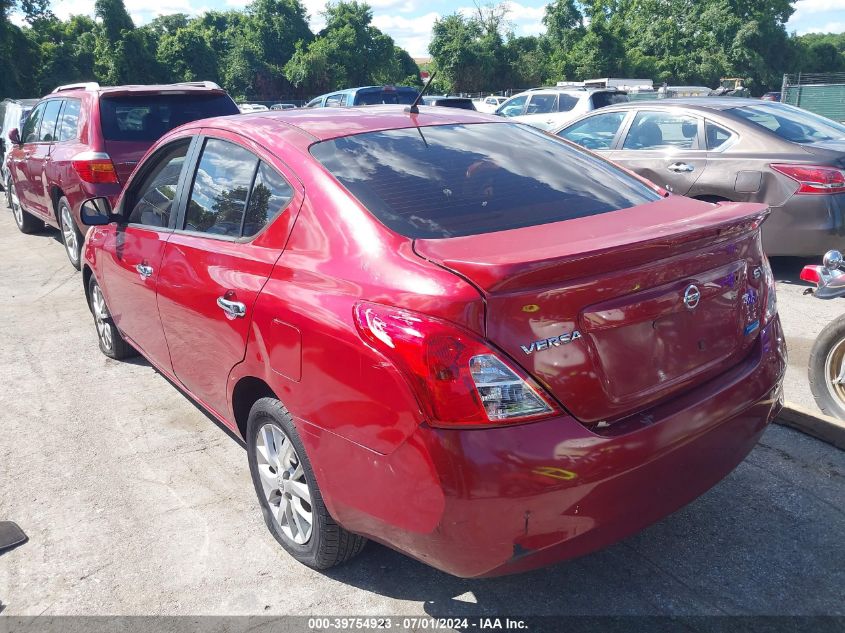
(136, 503)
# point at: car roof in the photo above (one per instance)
(693, 103)
(139, 89)
(320, 124)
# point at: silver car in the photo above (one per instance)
(743, 150)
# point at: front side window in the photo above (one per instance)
(453, 180)
(33, 124)
(542, 104)
(595, 132)
(220, 189)
(513, 107)
(790, 123)
(47, 134)
(153, 197)
(334, 101)
(662, 130)
(68, 127)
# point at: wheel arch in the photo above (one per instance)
(87, 273)
(246, 392)
(56, 194)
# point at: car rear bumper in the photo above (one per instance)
(495, 501)
(806, 226)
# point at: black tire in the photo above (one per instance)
(71, 237)
(328, 544)
(830, 344)
(112, 344)
(25, 222)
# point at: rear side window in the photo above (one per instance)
(68, 127)
(565, 103)
(270, 195)
(48, 122)
(716, 136)
(604, 99)
(148, 117)
(375, 97)
(657, 130)
(453, 180)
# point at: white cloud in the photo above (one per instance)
(412, 34)
(819, 6)
(830, 27)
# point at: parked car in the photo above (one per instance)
(282, 106)
(83, 140)
(464, 103)
(368, 95)
(489, 104)
(728, 149)
(771, 96)
(245, 108)
(547, 108)
(14, 113)
(424, 325)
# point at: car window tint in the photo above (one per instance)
(514, 106)
(452, 180)
(152, 198)
(604, 99)
(595, 132)
(47, 133)
(67, 128)
(148, 117)
(565, 103)
(541, 104)
(792, 124)
(270, 194)
(716, 136)
(657, 130)
(220, 188)
(334, 100)
(33, 123)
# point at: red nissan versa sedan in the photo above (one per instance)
(452, 334)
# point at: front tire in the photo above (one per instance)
(112, 344)
(287, 491)
(827, 369)
(71, 237)
(25, 222)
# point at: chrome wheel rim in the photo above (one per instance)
(69, 234)
(15, 203)
(283, 483)
(101, 316)
(834, 372)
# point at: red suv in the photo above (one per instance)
(453, 334)
(83, 141)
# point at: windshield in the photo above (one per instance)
(791, 123)
(453, 180)
(148, 117)
(375, 97)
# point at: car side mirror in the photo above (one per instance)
(15, 136)
(96, 212)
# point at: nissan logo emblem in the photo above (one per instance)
(692, 296)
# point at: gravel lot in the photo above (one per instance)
(136, 503)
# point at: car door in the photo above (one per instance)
(514, 106)
(132, 254)
(218, 260)
(19, 162)
(664, 147)
(597, 133)
(540, 110)
(39, 158)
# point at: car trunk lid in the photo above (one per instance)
(614, 312)
(125, 156)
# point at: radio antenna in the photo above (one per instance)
(414, 107)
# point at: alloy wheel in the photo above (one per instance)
(101, 318)
(284, 484)
(69, 234)
(834, 372)
(14, 203)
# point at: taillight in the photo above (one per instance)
(94, 167)
(460, 381)
(811, 274)
(771, 297)
(814, 178)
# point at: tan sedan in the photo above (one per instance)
(719, 149)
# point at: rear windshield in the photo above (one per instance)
(792, 124)
(604, 99)
(375, 97)
(454, 180)
(148, 117)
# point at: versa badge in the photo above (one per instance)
(554, 341)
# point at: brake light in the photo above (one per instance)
(811, 274)
(814, 178)
(771, 296)
(94, 167)
(459, 380)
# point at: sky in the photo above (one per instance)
(409, 21)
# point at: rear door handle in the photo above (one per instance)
(233, 309)
(680, 167)
(144, 270)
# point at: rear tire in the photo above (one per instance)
(112, 344)
(826, 360)
(71, 237)
(25, 222)
(287, 491)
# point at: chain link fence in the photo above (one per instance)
(822, 93)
